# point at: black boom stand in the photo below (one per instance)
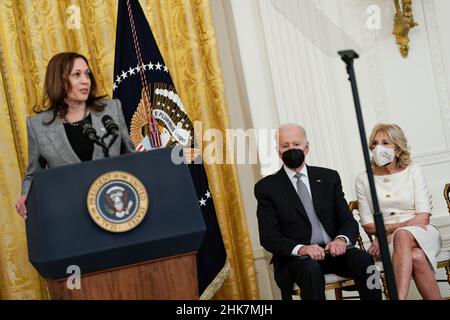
(348, 56)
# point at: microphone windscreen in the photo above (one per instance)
(88, 130)
(109, 124)
(107, 119)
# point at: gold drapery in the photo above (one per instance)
(31, 32)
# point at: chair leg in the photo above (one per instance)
(338, 293)
(385, 289)
(296, 293)
(447, 269)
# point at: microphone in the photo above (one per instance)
(111, 127)
(89, 132)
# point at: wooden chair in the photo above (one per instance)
(353, 205)
(333, 282)
(444, 255)
(447, 195)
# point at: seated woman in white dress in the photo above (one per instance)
(404, 201)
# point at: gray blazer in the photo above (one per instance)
(48, 145)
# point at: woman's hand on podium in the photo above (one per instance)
(21, 208)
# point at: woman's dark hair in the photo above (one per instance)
(57, 85)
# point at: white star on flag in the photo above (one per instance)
(114, 86)
(124, 75)
(166, 69)
(118, 80)
(158, 66)
(202, 202)
(208, 194)
(131, 71)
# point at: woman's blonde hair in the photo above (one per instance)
(397, 136)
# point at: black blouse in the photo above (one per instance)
(83, 147)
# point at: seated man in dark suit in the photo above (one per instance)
(302, 212)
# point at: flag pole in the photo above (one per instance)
(154, 136)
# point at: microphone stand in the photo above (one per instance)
(106, 147)
(348, 56)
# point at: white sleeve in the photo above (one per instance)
(364, 208)
(295, 250)
(422, 197)
(347, 240)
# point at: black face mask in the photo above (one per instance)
(293, 158)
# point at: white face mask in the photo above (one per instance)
(383, 155)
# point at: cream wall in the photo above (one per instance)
(274, 74)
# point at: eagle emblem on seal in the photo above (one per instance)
(173, 123)
(116, 198)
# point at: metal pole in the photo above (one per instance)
(348, 56)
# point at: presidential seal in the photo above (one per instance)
(117, 201)
(173, 124)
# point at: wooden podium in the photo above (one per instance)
(173, 278)
(155, 260)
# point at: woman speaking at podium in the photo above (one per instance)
(68, 130)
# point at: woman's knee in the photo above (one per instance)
(403, 237)
(419, 258)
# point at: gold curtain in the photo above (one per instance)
(31, 32)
